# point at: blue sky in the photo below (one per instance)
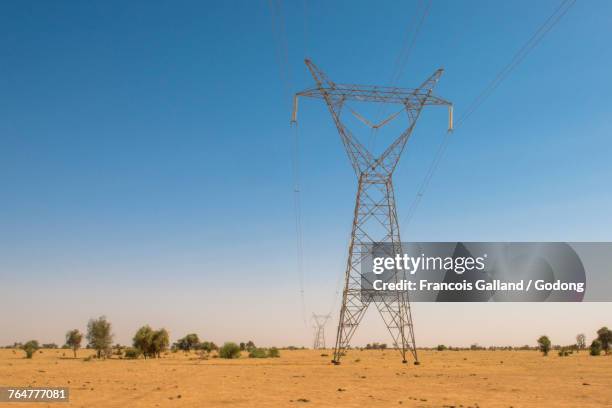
(145, 153)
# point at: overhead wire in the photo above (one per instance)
(518, 57)
(282, 51)
(403, 56)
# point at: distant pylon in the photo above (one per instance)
(319, 330)
(375, 216)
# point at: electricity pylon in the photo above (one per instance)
(319, 330)
(375, 211)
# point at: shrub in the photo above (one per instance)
(375, 346)
(273, 352)
(258, 353)
(595, 348)
(188, 342)
(49, 346)
(544, 344)
(30, 348)
(132, 353)
(441, 347)
(229, 350)
(604, 335)
(209, 346)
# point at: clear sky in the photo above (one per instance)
(146, 171)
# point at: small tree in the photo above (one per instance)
(99, 336)
(161, 341)
(273, 352)
(73, 340)
(229, 350)
(188, 342)
(604, 335)
(595, 348)
(209, 346)
(441, 347)
(250, 345)
(143, 341)
(580, 342)
(30, 348)
(544, 344)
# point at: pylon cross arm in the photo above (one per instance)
(411, 98)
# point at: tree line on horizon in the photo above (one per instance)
(603, 342)
(150, 343)
(147, 342)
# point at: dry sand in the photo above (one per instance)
(306, 379)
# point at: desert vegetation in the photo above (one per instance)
(150, 343)
(544, 344)
(99, 336)
(73, 340)
(30, 348)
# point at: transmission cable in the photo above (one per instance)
(518, 57)
(282, 51)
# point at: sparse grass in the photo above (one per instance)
(304, 374)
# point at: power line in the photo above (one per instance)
(535, 39)
(518, 57)
(278, 29)
(402, 58)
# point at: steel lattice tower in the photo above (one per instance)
(319, 330)
(375, 209)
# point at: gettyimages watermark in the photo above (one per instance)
(487, 272)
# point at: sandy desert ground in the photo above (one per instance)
(304, 378)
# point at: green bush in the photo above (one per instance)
(441, 347)
(132, 353)
(564, 352)
(273, 352)
(30, 348)
(229, 350)
(188, 343)
(595, 348)
(258, 353)
(544, 344)
(604, 336)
